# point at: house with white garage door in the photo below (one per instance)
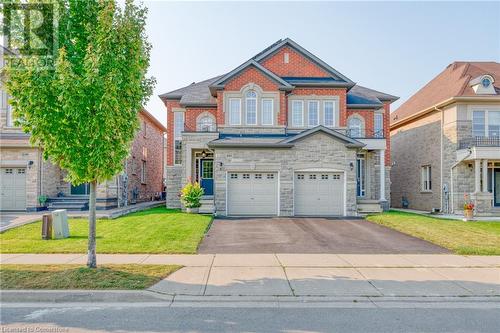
(283, 134)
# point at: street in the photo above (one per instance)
(462, 315)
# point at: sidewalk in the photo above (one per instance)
(308, 274)
(9, 220)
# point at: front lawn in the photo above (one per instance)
(157, 230)
(78, 277)
(481, 238)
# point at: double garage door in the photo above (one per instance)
(13, 189)
(256, 193)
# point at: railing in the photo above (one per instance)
(479, 141)
(364, 134)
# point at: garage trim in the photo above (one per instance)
(278, 206)
(343, 172)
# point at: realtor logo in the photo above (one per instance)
(30, 32)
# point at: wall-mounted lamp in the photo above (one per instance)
(30, 164)
(393, 163)
(351, 166)
(203, 154)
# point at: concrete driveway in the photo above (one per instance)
(309, 235)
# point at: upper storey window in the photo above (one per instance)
(486, 123)
(267, 111)
(329, 113)
(297, 113)
(206, 124)
(378, 125)
(313, 111)
(235, 111)
(251, 107)
(355, 127)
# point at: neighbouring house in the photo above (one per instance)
(445, 142)
(25, 175)
(282, 134)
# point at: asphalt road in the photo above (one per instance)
(130, 317)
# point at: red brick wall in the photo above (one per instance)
(153, 144)
(298, 65)
(368, 117)
(387, 135)
(193, 113)
(254, 75)
(170, 130)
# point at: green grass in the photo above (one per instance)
(157, 230)
(78, 277)
(473, 237)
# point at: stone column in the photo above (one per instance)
(485, 176)
(477, 176)
(382, 175)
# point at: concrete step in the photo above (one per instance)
(369, 206)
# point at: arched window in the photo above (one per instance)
(206, 124)
(251, 107)
(355, 127)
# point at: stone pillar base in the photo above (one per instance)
(483, 202)
(384, 204)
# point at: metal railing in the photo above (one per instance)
(479, 141)
(364, 134)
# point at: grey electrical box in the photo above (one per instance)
(60, 223)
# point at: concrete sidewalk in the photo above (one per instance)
(308, 274)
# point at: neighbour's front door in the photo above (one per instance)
(496, 190)
(207, 176)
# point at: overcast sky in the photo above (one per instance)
(394, 47)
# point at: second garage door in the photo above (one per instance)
(252, 193)
(319, 193)
(13, 189)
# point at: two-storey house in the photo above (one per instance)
(283, 134)
(445, 142)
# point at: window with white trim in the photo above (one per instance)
(355, 126)
(426, 176)
(494, 123)
(478, 123)
(378, 125)
(206, 124)
(360, 175)
(267, 111)
(313, 113)
(297, 113)
(234, 111)
(329, 113)
(486, 123)
(178, 129)
(143, 172)
(251, 107)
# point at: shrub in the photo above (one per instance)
(191, 195)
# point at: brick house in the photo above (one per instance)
(25, 175)
(283, 134)
(446, 141)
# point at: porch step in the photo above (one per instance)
(207, 206)
(369, 207)
(69, 203)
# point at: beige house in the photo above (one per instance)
(445, 142)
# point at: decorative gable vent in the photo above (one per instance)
(483, 85)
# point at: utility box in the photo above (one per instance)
(47, 226)
(60, 223)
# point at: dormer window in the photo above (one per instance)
(483, 85)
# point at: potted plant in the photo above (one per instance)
(468, 208)
(191, 195)
(42, 200)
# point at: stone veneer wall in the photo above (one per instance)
(316, 151)
(174, 185)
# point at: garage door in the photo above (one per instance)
(13, 189)
(319, 193)
(252, 193)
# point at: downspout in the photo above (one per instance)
(441, 173)
(451, 180)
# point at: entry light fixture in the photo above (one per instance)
(351, 165)
(203, 154)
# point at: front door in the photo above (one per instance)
(82, 189)
(207, 176)
(496, 190)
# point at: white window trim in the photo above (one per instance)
(486, 119)
(362, 124)
(334, 114)
(317, 116)
(262, 111)
(425, 177)
(231, 112)
(178, 138)
(382, 129)
(301, 114)
(256, 108)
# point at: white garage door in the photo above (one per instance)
(13, 189)
(319, 193)
(252, 193)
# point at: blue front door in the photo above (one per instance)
(207, 176)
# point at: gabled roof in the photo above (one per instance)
(349, 142)
(454, 81)
(287, 41)
(152, 118)
(362, 97)
(219, 84)
(196, 94)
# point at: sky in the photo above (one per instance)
(393, 47)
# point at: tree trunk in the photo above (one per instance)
(91, 261)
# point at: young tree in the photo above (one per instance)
(82, 112)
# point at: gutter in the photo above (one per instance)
(249, 145)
